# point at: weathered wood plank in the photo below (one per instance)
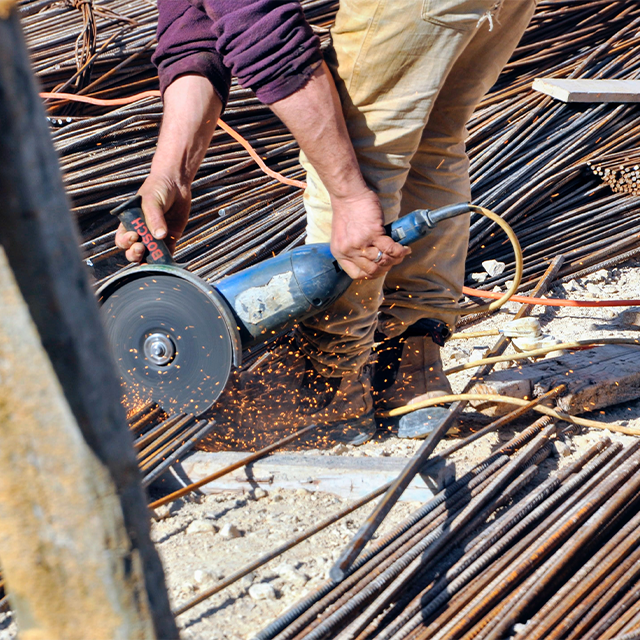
(347, 477)
(595, 378)
(586, 90)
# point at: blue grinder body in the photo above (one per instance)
(274, 295)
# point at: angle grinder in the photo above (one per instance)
(175, 337)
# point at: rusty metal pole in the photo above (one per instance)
(74, 525)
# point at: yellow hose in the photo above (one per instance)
(474, 334)
(496, 304)
(489, 397)
(542, 351)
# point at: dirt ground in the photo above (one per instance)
(204, 539)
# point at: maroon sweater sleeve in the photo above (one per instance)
(186, 45)
(267, 44)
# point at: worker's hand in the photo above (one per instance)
(358, 237)
(165, 205)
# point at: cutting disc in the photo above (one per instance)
(170, 339)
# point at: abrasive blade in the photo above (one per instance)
(169, 341)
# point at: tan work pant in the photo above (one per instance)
(410, 74)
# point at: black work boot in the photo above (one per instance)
(409, 367)
(349, 416)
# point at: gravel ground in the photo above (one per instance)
(204, 539)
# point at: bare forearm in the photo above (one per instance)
(314, 115)
(358, 238)
(191, 111)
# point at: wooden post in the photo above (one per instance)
(69, 564)
(74, 525)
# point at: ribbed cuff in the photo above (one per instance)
(201, 63)
(284, 86)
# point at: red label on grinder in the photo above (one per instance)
(147, 238)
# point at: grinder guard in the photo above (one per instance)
(172, 337)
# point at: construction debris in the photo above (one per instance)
(344, 476)
(589, 90)
(595, 379)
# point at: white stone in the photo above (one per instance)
(493, 267)
(562, 449)
(200, 576)
(522, 327)
(573, 285)
(285, 567)
(230, 531)
(458, 354)
(630, 317)
(262, 591)
(162, 512)
(479, 277)
(533, 343)
(339, 449)
(602, 275)
(593, 288)
(291, 575)
(478, 353)
(247, 581)
(202, 526)
(260, 493)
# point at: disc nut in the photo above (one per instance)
(159, 349)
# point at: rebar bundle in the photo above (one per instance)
(102, 48)
(621, 171)
(528, 153)
(491, 556)
(161, 441)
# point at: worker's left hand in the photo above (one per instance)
(358, 238)
(165, 205)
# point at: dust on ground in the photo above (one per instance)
(203, 540)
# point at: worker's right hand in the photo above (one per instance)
(166, 206)
(359, 241)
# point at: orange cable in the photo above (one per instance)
(115, 102)
(551, 302)
(270, 172)
(100, 102)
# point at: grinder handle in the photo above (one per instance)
(132, 218)
(418, 223)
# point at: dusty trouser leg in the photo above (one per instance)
(390, 60)
(428, 284)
